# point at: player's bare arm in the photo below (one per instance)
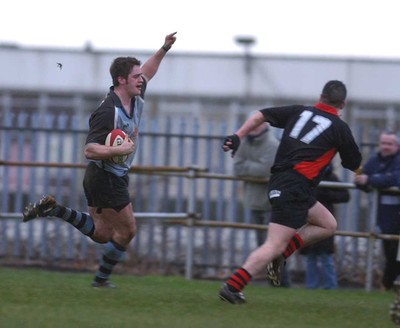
(233, 142)
(96, 151)
(150, 67)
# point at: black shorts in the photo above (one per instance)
(291, 196)
(104, 189)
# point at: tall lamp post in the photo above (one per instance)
(246, 42)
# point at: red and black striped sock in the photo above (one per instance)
(294, 244)
(238, 280)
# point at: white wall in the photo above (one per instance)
(204, 75)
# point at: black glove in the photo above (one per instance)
(234, 141)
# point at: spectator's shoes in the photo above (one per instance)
(228, 296)
(104, 284)
(40, 208)
(274, 270)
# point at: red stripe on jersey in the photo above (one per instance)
(326, 108)
(311, 169)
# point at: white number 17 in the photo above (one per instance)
(322, 124)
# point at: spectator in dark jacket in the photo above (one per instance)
(382, 171)
(320, 262)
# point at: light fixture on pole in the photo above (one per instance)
(246, 42)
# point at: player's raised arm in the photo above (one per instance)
(150, 67)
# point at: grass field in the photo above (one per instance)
(31, 298)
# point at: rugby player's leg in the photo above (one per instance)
(276, 242)
(321, 224)
(117, 229)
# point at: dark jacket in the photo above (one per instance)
(383, 173)
(328, 197)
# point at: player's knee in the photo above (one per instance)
(331, 225)
(130, 234)
(334, 226)
(125, 235)
(102, 234)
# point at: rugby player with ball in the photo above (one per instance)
(110, 219)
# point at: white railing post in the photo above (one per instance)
(190, 225)
(373, 197)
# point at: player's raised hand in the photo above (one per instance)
(169, 41)
(231, 142)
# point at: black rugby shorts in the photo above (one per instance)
(291, 196)
(104, 189)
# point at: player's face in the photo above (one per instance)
(134, 81)
(388, 145)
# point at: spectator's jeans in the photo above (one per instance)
(320, 264)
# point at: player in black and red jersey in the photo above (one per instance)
(312, 136)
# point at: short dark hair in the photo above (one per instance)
(334, 93)
(122, 66)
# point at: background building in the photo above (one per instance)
(214, 87)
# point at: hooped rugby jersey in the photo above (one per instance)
(311, 137)
(111, 115)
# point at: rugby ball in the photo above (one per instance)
(114, 139)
